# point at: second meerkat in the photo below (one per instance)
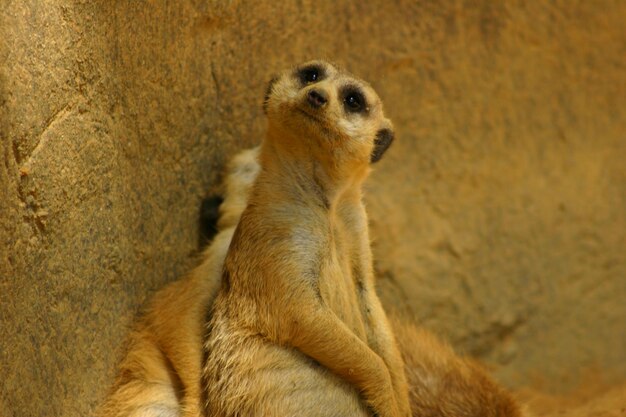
(298, 281)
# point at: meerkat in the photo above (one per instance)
(160, 375)
(161, 372)
(296, 328)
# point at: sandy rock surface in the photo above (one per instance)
(590, 401)
(498, 217)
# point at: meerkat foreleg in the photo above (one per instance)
(320, 335)
(384, 344)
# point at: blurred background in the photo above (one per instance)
(498, 216)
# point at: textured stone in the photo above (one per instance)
(499, 215)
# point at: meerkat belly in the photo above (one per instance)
(246, 375)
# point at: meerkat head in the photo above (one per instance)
(329, 113)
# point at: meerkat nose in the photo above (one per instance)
(317, 98)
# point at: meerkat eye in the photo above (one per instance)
(354, 101)
(310, 74)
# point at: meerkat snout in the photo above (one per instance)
(317, 98)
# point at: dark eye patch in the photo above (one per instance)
(354, 100)
(311, 74)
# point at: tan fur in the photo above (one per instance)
(297, 328)
(441, 383)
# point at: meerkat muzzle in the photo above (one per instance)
(317, 98)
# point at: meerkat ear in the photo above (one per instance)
(268, 92)
(382, 141)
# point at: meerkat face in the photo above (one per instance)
(326, 109)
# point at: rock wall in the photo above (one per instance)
(499, 216)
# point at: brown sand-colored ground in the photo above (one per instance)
(499, 215)
(590, 402)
